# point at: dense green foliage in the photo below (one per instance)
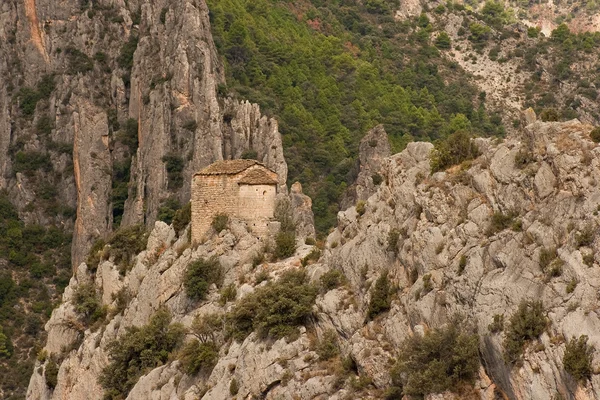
(276, 309)
(87, 303)
(137, 351)
(197, 356)
(285, 241)
(35, 268)
(525, 325)
(328, 347)
(453, 150)
(199, 275)
(438, 361)
(331, 279)
(331, 71)
(380, 296)
(51, 374)
(182, 217)
(578, 358)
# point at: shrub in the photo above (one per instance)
(331, 279)
(129, 134)
(500, 222)
(572, 285)
(5, 344)
(361, 207)
(455, 149)
(79, 62)
(137, 351)
(377, 179)
(595, 135)
(546, 257)
(441, 360)
(523, 158)
(525, 325)
(220, 222)
(30, 161)
(87, 303)
(228, 294)
(328, 347)
(44, 125)
(284, 215)
(174, 166)
(127, 242)
(234, 388)
(28, 99)
(274, 310)
(578, 357)
(249, 154)
(380, 296)
(285, 244)
(393, 237)
(95, 255)
(167, 210)
(125, 59)
(51, 374)
(208, 327)
(443, 41)
(182, 217)
(497, 324)
(462, 264)
(199, 357)
(586, 236)
(200, 275)
(190, 125)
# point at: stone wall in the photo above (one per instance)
(222, 194)
(212, 195)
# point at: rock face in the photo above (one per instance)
(445, 231)
(373, 149)
(146, 62)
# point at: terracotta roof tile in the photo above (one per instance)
(257, 177)
(228, 167)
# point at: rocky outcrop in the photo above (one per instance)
(153, 63)
(373, 149)
(444, 230)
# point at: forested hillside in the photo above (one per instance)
(329, 71)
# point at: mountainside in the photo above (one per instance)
(485, 240)
(108, 108)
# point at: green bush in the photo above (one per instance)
(167, 210)
(199, 275)
(285, 245)
(328, 346)
(190, 125)
(5, 345)
(500, 222)
(443, 41)
(125, 59)
(182, 217)
(586, 236)
(361, 207)
(199, 357)
(87, 303)
(332, 279)
(44, 125)
(250, 154)
(380, 296)
(377, 179)
(137, 351)
(455, 149)
(497, 325)
(523, 158)
(546, 257)
(31, 161)
(228, 294)
(595, 134)
(220, 222)
(126, 243)
(79, 62)
(578, 358)
(525, 325)
(28, 99)
(393, 238)
(51, 374)
(96, 254)
(443, 359)
(274, 310)
(174, 166)
(234, 387)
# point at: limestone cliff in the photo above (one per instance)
(450, 255)
(111, 63)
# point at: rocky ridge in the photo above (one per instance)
(552, 198)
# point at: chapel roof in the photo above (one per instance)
(234, 167)
(257, 177)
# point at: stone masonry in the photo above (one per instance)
(244, 189)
